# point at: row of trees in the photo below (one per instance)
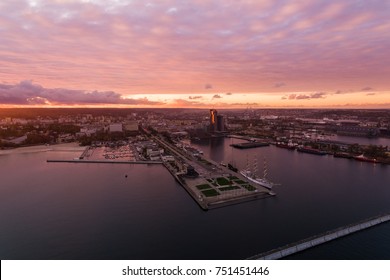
(372, 151)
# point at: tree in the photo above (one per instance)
(354, 149)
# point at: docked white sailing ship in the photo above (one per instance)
(251, 175)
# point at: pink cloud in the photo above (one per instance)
(175, 47)
(27, 93)
(315, 95)
(195, 97)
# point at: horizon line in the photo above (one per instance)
(197, 108)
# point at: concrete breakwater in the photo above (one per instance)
(320, 239)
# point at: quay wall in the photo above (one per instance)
(320, 239)
(240, 199)
(182, 182)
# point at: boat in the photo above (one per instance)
(285, 146)
(365, 159)
(342, 155)
(311, 150)
(232, 168)
(252, 176)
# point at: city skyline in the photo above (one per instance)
(195, 54)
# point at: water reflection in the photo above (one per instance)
(92, 211)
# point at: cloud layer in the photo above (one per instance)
(27, 93)
(192, 47)
(315, 95)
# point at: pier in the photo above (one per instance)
(85, 152)
(210, 203)
(320, 239)
(214, 186)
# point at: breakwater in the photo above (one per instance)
(320, 239)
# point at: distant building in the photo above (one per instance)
(88, 131)
(116, 127)
(213, 120)
(191, 172)
(363, 131)
(131, 127)
(220, 123)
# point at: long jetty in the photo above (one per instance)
(320, 239)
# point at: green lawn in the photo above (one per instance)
(203, 186)
(222, 181)
(241, 182)
(228, 188)
(249, 187)
(205, 161)
(210, 192)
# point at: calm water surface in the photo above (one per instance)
(92, 211)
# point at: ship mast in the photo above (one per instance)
(254, 171)
(231, 152)
(247, 163)
(265, 169)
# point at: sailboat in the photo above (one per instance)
(251, 175)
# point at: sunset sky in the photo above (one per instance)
(200, 54)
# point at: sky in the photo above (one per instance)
(195, 53)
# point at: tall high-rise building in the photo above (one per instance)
(213, 120)
(220, 123)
